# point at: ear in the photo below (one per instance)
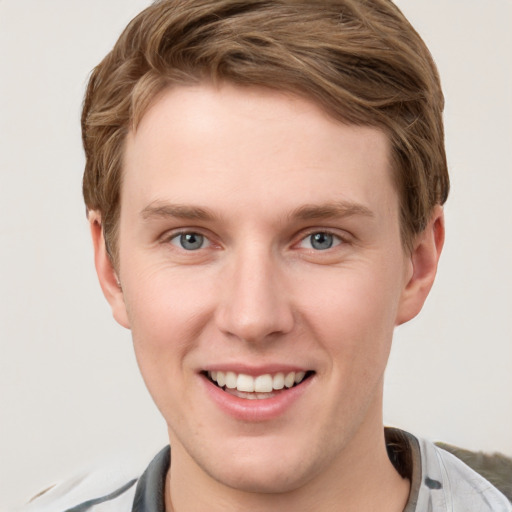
(107, 275)
(423, 262)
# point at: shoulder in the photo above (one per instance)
(106, 489)
(454, 485)
(115, 489)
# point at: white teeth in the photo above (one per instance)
(245, 383)
(299, 376)
(278, 381)
(231, 380)
(289, 380)
(261, 384)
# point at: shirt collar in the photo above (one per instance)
(150, 492)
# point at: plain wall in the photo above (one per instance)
(70, 393)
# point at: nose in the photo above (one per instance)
(255, 304)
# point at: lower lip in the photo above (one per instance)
(255, 410)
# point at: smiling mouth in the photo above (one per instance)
(259, 387)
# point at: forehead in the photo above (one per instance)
(246, 144)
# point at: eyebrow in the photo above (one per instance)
(160, 210)
(331, 210)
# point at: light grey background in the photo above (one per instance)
(70, 394)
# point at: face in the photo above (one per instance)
(262, 274)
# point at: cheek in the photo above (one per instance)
(164, 300)
(167, 311)
(353, 311)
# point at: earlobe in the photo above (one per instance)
(107, 275)
(424, 258)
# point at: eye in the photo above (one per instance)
(190, 241)
(320, 241)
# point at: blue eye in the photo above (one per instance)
(190, 241)
(320, 241)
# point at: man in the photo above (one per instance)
(264, 184)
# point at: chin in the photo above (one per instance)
(270, 469)
(262, 480)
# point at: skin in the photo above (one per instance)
(270, 169)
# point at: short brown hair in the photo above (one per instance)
(360, 60)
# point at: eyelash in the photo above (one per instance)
(179, 235)
(336, 239)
